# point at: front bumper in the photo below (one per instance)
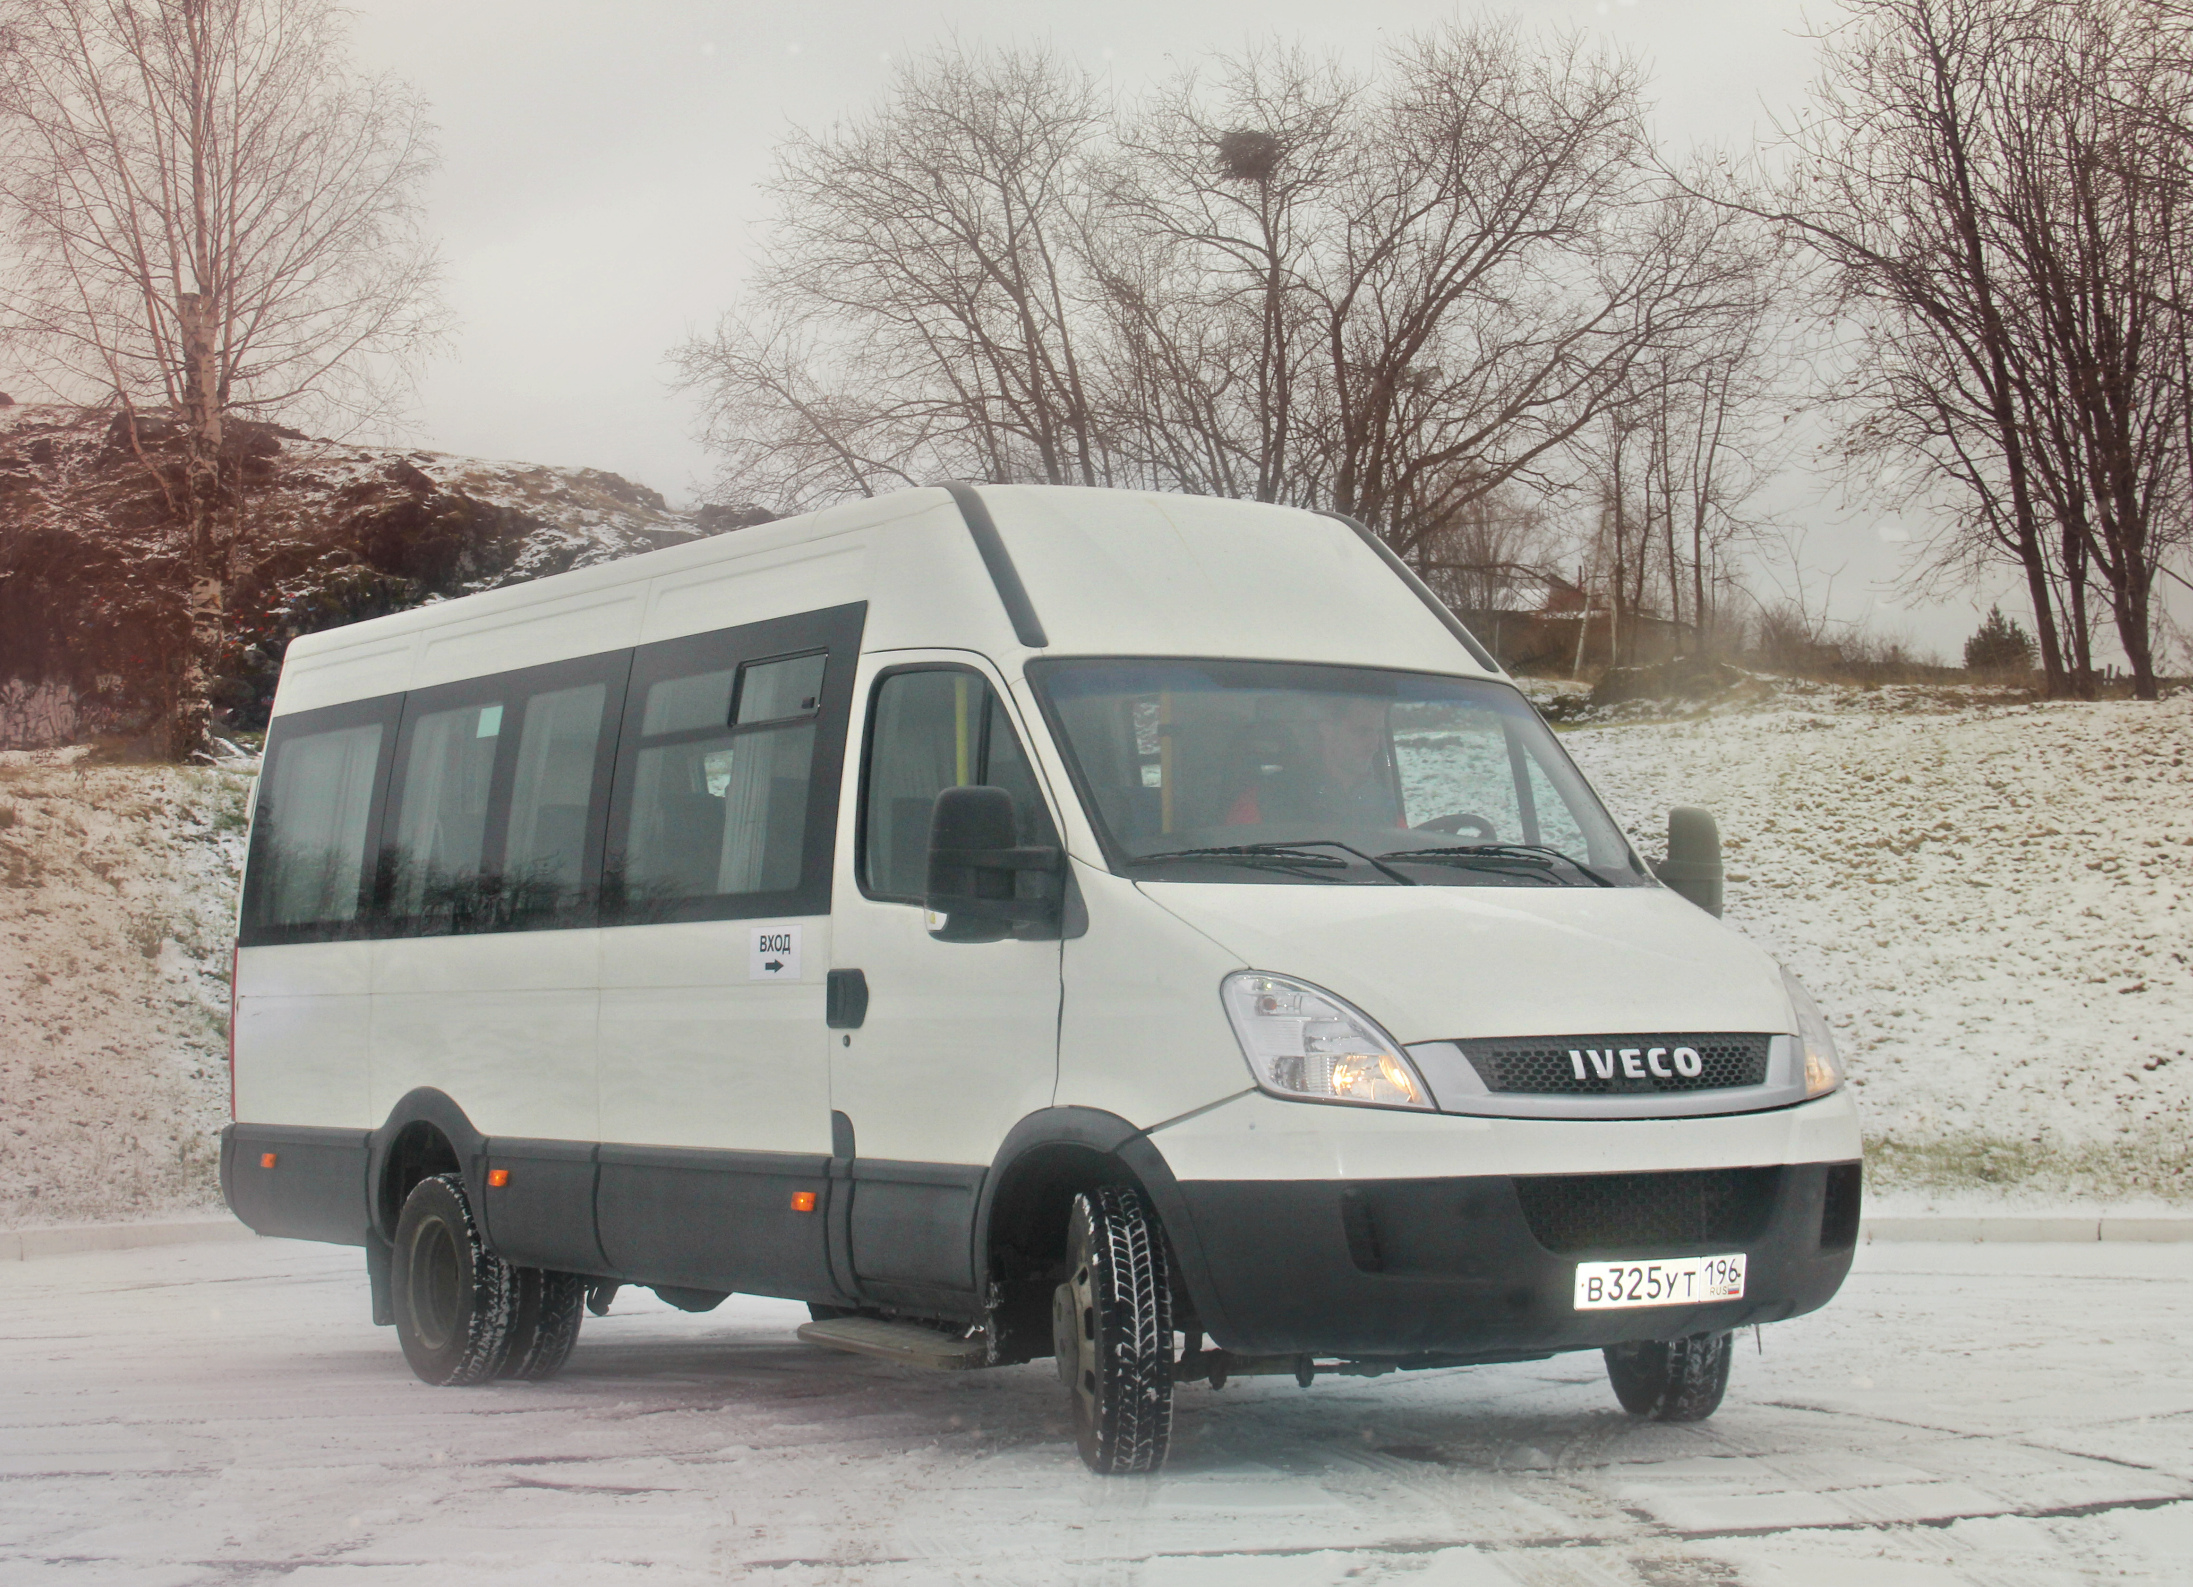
(1483, 1267)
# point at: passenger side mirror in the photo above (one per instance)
(1693, 866)
(974, 866)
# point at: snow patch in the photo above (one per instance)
(117, 908)
(1989, 900)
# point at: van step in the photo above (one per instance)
(909, 1344)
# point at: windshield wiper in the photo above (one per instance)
(1276, 855)
(1499, 856)
(1285, 856)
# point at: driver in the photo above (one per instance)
(1344, 779)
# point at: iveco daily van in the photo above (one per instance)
(1139, 930)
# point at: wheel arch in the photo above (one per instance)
(1020, 1219)
(426, 1133)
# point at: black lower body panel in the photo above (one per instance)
(716, 1220)
(1486, 1265)
(542, 1212)
(755, 1222)
(910, 1238)
(297, 1182)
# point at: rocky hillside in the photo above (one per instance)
(324, 533)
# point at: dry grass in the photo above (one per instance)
(2138, 1165)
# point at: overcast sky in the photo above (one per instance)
(598, 197)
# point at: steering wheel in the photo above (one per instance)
(1483, 830)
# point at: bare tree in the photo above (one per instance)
(918, 310)
(1223, 192)
(1996, 183)
(1480, 292)
(1272, 279)
(1496, 552)
(211, 214)
(1679, 452)
(2085, 211)
(1886, 187)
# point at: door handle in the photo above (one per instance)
(844, 999)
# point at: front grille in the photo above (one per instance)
(1548, 1065)
(1633, 1213)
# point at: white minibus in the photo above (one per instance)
(1145, 931)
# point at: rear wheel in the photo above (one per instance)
(1112, 1331)
(545, 1323)
(1677, 1380)
(455, 1300)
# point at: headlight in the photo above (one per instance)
(1823, 1070)
(1309, 1046)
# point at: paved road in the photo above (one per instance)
(225, 1413)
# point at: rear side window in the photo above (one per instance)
(929, 730)
(434, 864)
(689, 779)
(309, 874)
(495, 810)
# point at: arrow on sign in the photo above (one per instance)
(773, 966)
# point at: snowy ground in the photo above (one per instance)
(1990, 900)
(226, 1414)
(117, 905)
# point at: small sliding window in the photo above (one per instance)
(727, 778)
(309, 875)
(495, 817)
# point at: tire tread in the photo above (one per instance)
(1135, 1298)
(1676, 1380)
(551, 1307)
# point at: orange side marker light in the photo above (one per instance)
(266, 1159)
(803, 1201)
(497, 1178)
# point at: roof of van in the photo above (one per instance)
(1101, 572)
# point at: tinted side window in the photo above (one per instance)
(496, 807)
(317, 808)
(727, 777)
(719, 805)
(930, 730)
(432, 868)
(546, 870)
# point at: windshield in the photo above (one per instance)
(1237, 771)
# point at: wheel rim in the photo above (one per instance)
(1073, 1329)
(436, 1286)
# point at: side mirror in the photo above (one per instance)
(1693, 866)
(974, 866)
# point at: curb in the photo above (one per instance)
(20, 1245)
(2007, 1230)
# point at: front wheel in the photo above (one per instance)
(1679, 1380)
(1112, 1331)
(455, 1300)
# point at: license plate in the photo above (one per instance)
(1686, 1281)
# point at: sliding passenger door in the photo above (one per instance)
(715, 1107)
(959, 1040)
